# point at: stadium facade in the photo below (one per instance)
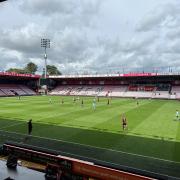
(136, 85)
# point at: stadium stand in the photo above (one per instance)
(13, 84)
(7, 89)
(27, 90)
(76, 90)
(175, 92)
(2, 93)
(13, 89)
(118, 91)
(138, 94)
(161, 95)
(58, 90)
(112, 91)
(152, 85)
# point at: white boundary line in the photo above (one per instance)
(4, 127)
(85, 128)
(101, 130)
(101, 148)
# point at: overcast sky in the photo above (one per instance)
(91, 35)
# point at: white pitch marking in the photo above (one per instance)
(113, 150)
(12, 125)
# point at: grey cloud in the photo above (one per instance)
(78, 44)
(73, 51)
(25, 39)
(175, 47)
(65, 7)
(70, 46)
(48, 7)
(139, 43)
(173, 33)
(163, 15)
(150, 21)
(63, 13)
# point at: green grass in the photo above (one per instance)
(153, 131)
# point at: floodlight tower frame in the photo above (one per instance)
(45, 43)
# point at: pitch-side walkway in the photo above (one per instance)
(21, 173)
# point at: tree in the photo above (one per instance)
(31, 68)
(16, 70)
(52, 70)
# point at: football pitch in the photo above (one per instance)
(153, 133)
